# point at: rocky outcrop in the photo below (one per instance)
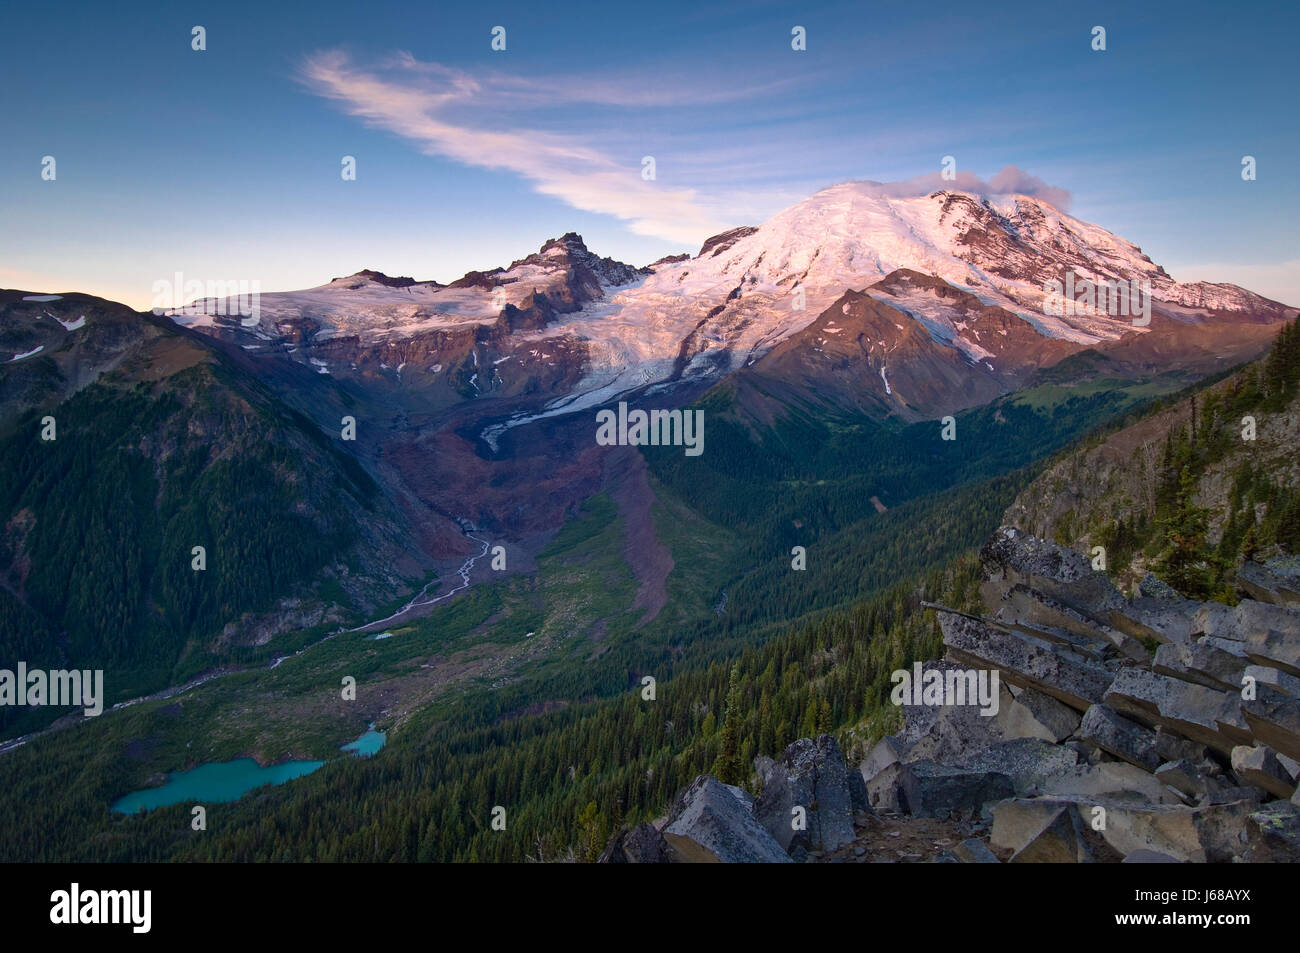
(1177, 752)
(1092, 753)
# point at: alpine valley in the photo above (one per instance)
(233, 512)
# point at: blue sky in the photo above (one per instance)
(225, 164)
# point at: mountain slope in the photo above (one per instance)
(160, 445)
(1216, 470)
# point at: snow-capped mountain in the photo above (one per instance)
(571, 330)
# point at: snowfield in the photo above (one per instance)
(730, 306)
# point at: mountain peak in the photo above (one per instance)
(358, 279)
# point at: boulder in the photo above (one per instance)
(1066, 838)
(1274, 834)
(940, 732)
(1274, 719)
(885, 789)
(1206, 832)
(859, 799)
(1275, 647)
(1143, 856)
(1186, 777)
(1111, 780)
(1120, 736)
(1013, 557)
(880, 757)
(710, 819)
(1216, 620)
(1172, 746)
(1034, 714)
(810, 774)
(1030, 763)
(1259, 766)
(1202, 664)
(1165, 620)
(1035, 613)
(1065, 675)
(1290, 765)
(1204, 714)
(1276, 582)
(928, 789)
(974, 851)
(1267, 675)
(642, 844)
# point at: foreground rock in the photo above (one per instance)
(1259, 766)
(808, 779)
(713, 822)
(1274, 718)
(1277, 581)
(1209, 832)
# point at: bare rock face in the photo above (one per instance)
(1195, 758)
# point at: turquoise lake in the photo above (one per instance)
(223, 781)
(367, 744)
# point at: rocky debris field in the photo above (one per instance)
(1146, 729)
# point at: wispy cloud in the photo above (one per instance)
(573, 137)
(448, 113)
(1010, 180)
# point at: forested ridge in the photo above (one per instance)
(97, 554)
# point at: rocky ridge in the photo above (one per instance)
(1142, 729)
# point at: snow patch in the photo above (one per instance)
(19, 357)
